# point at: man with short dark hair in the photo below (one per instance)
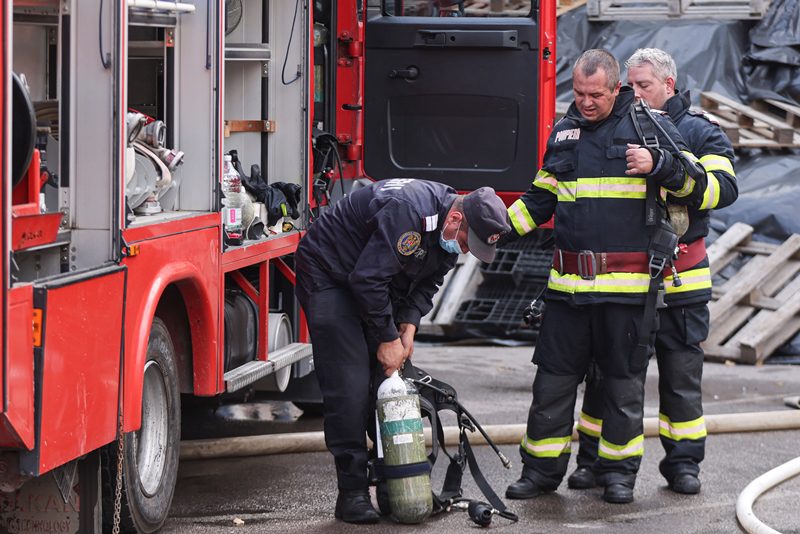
(367, 271)
(684, 323)
(598, 181)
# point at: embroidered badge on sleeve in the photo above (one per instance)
(408, 243)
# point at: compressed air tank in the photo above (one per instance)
(403, 444)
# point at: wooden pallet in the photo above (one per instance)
(756, 311)
(512, 8)
(672, 9)
(764, 124)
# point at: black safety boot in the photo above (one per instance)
(524, 488)
(581, 478)
(617, 493)
(685, 483)
(354, 506)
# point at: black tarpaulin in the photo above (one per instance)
(772, 64)
(708, 53)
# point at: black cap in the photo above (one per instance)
(487, 219)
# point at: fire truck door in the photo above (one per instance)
(77, 365)
(451, 99)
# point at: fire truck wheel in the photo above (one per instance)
(150, 458)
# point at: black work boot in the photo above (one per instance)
(354, 506)
(617, 493)
(581, 478)
(685, 483)
(525, 488)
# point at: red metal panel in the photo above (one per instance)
(17, 418)
(275, 247)
(30, 231)
(5, 182)
(191, 260)
(178, 226)
(350, 86)
(79, 375)
(547, 73)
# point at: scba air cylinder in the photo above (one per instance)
(403, 450)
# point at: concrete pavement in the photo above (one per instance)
(296, 493)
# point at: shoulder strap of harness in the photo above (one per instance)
(436, 396)
(643, 123)
(663, 239)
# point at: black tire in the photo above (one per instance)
(23, 130)
(150, 459)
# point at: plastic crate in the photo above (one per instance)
(498, 311)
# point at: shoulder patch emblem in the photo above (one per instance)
(703, 114)
(408, 243)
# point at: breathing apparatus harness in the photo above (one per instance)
(436, 396)
(663, 247)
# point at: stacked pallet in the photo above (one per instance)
(756, 310)
(762, 124)
(662, 9)
(512, 8)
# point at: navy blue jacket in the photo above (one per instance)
(382, 242)
(711, 146)
(597, 206)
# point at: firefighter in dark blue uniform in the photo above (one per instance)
(685, 320)
(595, 179)
(367, 272)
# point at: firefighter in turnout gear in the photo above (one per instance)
(367, 272)
(595, 179)
(685, 320)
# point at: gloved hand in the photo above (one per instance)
(292, 194)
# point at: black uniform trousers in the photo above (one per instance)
(346, 366)
(570, 338)
(680, 371)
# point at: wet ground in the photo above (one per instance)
(296, 492)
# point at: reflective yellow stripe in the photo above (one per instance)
(688, 183)
(610, 451)
(711, 194)
(591, 426)
(520, 217)
(546, 181)
(607, 187)
(691, 280)
(695, 429)
(548, 447)
(603, 283)
(713, 162)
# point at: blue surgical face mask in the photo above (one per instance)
(450, 245)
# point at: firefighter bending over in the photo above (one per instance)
(610, 237)
(684, 322)
(367, 271)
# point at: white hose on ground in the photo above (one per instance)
(500, 434)
(744, 504)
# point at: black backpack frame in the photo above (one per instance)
(436, 396)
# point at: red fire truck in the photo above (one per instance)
(135, 268)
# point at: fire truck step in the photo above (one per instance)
(251, 372)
